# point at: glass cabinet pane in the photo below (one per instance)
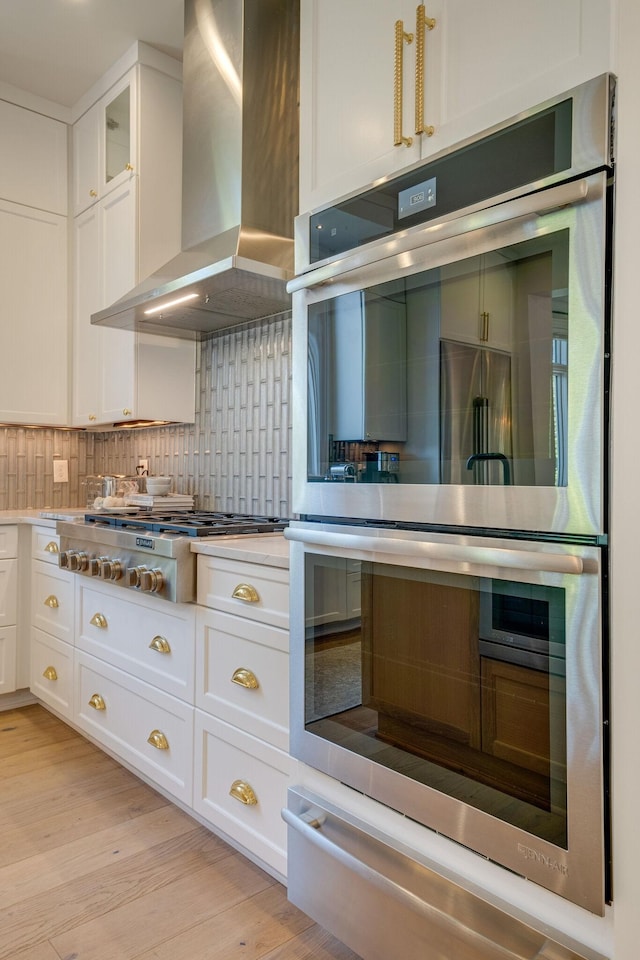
(118, 134)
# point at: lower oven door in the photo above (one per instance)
(395, 694)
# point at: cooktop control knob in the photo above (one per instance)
(78, 560)
(110, 569)
(151, 581)
(94, 566)
(63, 559)
(133, 575)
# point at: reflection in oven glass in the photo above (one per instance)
(403, 667)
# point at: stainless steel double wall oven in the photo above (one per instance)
(451, 365)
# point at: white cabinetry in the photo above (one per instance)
(52, 624)
(127, 189)
(8, 607)
(242, 704)
(482, 65)
(33, 250)
(134, 682)
(477, 301)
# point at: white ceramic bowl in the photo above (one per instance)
(158, 486)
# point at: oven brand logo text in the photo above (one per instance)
(530, 854)
(145, 542)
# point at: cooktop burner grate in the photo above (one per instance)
(189, 524)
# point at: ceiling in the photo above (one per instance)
(57, 49)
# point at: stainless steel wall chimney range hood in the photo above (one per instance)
(239, 176)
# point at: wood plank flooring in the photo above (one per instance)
(95, 865)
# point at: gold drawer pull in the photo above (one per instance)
(245, 678)
(99, 620)
(160, 644)
(158, 740)
(247, 593)
(52, 601)
(423, 23)
(51, 547)
(401, 38)
(240, 790)
(50, 673)
(97, 702)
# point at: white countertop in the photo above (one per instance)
(46, 516)
(269, 549)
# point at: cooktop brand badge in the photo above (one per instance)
(145, 542)
(550, 862)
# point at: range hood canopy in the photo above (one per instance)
(239, 175)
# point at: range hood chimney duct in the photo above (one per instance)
(239, 177)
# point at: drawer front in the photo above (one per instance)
(144, 726)
(155, 644)
(45, 544)
(244, 589)
(226, 756)
(52, 600)
(8, 592)
(8, 541)
(8, 652)
(242, 671)
(52, 672)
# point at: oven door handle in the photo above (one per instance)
(447, 552)
(355, 263)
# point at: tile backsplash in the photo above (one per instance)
(234, 458)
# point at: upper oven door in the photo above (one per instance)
(455, 375)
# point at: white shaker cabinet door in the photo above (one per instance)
(453, 69)
(33, 316)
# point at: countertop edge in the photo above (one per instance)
(267, 549)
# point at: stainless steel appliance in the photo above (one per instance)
(150, 552)
(240, 174)
(456, 316)
(449, 629)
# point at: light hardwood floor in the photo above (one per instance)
(95, 865)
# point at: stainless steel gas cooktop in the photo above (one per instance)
(150, 552)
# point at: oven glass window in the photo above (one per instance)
(455, 375)
(457, 682)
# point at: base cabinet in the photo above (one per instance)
(242, 704)
(52, 624)
(8, 608)
(146, 727)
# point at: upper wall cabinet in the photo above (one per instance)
(386, 83)
(105, 144)
(127, 177)
(33, 159)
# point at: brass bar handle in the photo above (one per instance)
(245, 678)
(50, 673)
(240, 790)
(51, 601)
(423, 23)
(484, 334)
(158, 740)
(51, 547)
(160, 644)
(246, 593)
(99, 620)
(398, 68)
(97, 702)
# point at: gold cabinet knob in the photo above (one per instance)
(50, 673)
(97, 702)
(246, 593)
(99, 620)
(52, 601)
(240, 790)
(158, 740)
(160, 644)
(126, 412)
(51, 547)
(92, 417)
(93, 193)
(245, 678)
(128, 166)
